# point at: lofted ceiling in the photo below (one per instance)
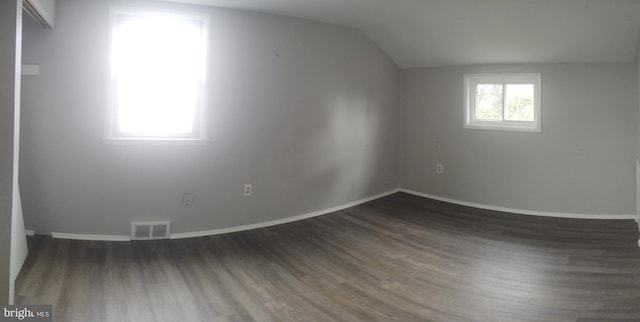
(428, 33)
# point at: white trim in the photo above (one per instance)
(345, 206)
(29, 232)
(91, 237)
(638, 195)
(521, 211)
(230, 229)
(199, 134)
(638, 190)
(472, 80)
(42, 11)
(281, 221)
(155, 141)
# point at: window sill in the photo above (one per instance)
(155, 141)
(512, 128)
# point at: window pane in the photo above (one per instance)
(489, 102)
(520, 102)
(157, 62)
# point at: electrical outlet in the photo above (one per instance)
(439, 168)
(247, 190)
(187, 199)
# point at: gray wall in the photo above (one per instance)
(581, 162)
(9, 44)
(304, 111)
(19, 249)
(638, 139)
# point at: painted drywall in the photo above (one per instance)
(10, 14)
(638, 138)
(306, 112)
(19, 249)
(581, 162)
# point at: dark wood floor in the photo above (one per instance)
(400, 258)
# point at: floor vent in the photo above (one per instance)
(150, 230)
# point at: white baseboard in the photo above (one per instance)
(281, 221)
(345, 206)
(230, 229)
(520, 211)
(91, 237)
(29, 232)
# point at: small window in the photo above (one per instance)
(158, 76)
(502, 102)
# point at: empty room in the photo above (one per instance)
(319, 160)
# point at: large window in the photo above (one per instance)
(503, 102)
(158, 76)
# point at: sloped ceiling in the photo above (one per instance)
(428, 33)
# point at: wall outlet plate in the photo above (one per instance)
(187, 199)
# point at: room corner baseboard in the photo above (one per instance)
(91, 237)
(281, 221)
(29, 232)
(230, 229)
(520, 211)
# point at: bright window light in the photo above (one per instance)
(158, 74)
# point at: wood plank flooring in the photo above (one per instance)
(399, 258)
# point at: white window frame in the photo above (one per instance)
(199, 133)
(470, 86)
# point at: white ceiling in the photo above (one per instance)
(427, 33)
